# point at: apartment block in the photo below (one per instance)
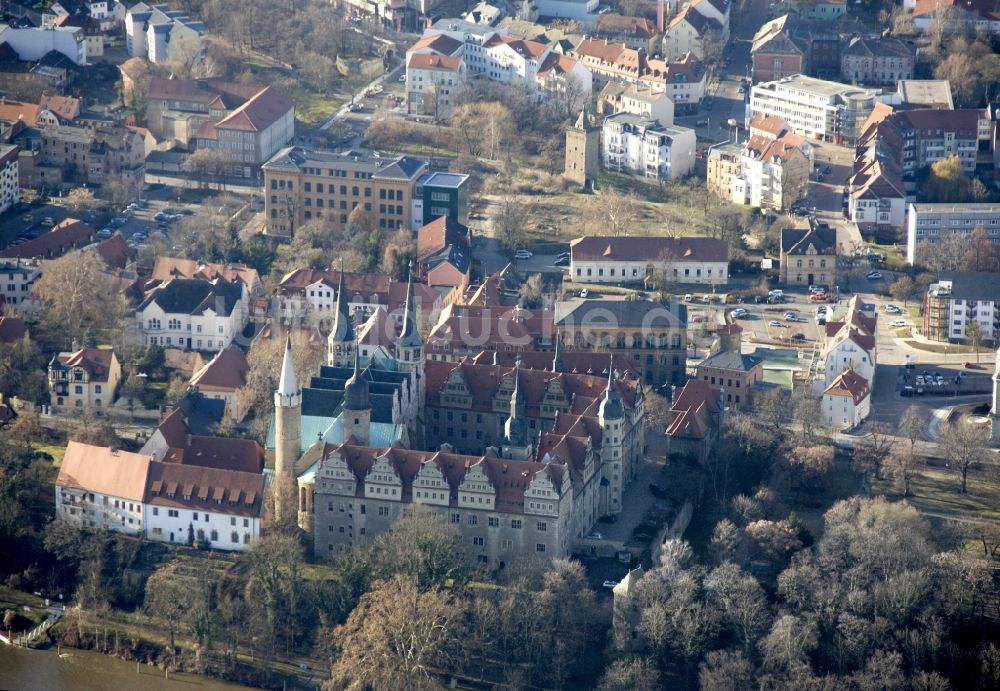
(958, 300)
(642, 146)
(815, 108)
(932, 223)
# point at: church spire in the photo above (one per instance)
(557, 358)
(516, 427)
(343, 330)
(409, 337)
(611, 407)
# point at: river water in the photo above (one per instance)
(22, 669)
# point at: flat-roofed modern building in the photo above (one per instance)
(442, 194)
(931, 223)
(642, 146)
(815, 108)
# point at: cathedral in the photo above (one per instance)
(523, 460)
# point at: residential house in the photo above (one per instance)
(95, 156)
(32, 44)
(642, 146)
(731, 373)
(610, 61)
(318, 291)
(809, 255)
(605, 259)
(167, 268)
(653, 334)
(86, 379)
(176, 439)
(305, 184)
(66, 236)
(694, 420)
(637, 99)
(883, 60)
(723, 165)
(959, 299)
(702, 26)
(846, 402)
(93, 35)
(444, 254)
(100, 487)
(223, 378)
(815, 108)
(684, 80)
(433, 83)
(161, 34)
(778, 52)
(823, 10)
(775, 167)
(16, 279)
(970, 16)
(192, 313)
(929, 224)
(850, 344)
(638, 33)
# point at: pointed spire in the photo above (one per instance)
(611, 406)
(288, 393)
(516, 427)
(557, 358)
(409, 337)
(343, 329)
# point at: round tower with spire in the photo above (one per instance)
(357, 405)
(287, 436)
(611, 413)
(342, 341)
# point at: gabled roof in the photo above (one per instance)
(166, 268)
(797, 241)
(66, 235)
(616, 24)
(194, 296)
(264, 109)
(851, 384)
(227, 371)
(593, 314)
(114, 251)
(441, 63)
(209, 489)
(442, 44)
(439, 234)
(96, 362)
(104, 470)
(609, 248)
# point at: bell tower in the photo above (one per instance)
(357, 406)
(287, 437)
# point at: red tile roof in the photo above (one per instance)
(107, 471)
(114, 252)
(439, 234)
(67, 235)
(603, 248)
(264, 109)
(226, 372)
(205, 488)
(850, 383)
(443, 63)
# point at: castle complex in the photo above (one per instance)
(522, 459)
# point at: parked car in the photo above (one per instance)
(105, 233)
(897, 322)
(799, 337)
(775, 322)
(790, 316)
(688, 297)
(892, 309)
(594, 536)
(874, 275)
(919, 380)
(739, 313)
(584, 293)
(610, 584)
(522, 254)
(561, 261)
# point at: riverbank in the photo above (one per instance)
(26, 668)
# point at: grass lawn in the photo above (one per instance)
(935, 493)
(57, 451)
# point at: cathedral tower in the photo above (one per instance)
(287, 437)
(342, 341)
(410, 346)
(612, 417)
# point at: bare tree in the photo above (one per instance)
(871, 452)
(974, 336)
(614, 212)
(963, 443)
